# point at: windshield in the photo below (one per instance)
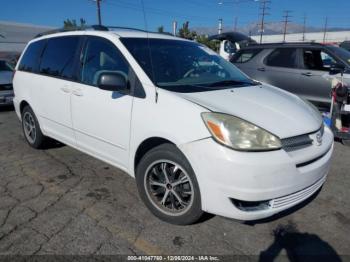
(341, 53)
(184, 66)
(5, 66)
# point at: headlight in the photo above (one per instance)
(239, 134)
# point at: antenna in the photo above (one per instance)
(149, 48)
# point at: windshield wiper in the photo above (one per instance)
(233, 82)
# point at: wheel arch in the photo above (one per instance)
(146, 146)
(22, 105)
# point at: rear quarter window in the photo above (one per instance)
(244, 56)
(30, 59)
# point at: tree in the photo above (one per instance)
(160, 29)
(72, 24)
(212, 44)
(185, 32)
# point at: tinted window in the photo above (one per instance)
(283, 57)
(316, 59)
(30, 59)
(244, 56)
(101, 56)
(58, 57)
(5, 66)
(184, 66)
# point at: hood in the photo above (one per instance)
(6, 77)
(277, 111)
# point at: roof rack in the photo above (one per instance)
(84, 28)
(286, 44)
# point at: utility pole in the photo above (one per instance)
(220, 26)
(174, 27)
(325, 30)
(286, 21)
(236, 23)
(263, 8)
(304, 27)
(98, 5)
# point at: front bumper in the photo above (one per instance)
(6, 98)
(225, 175)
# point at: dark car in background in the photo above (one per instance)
(295, 67)
(6, 89)
(345, 45)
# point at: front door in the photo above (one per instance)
(316, 63)
(101, 118)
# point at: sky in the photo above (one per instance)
(200, 13)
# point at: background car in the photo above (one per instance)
(345, 45)
(6, 89)
(296, 67)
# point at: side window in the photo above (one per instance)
(58, 57)
(101, 56)
(283, 57)
(244, 56)
(316, 59)
(30, 59)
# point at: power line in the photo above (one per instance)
(286, 21)
(263, 7)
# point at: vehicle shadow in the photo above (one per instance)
(6, 108)
(52, 144)
(298, 246)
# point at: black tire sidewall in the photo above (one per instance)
(172, 153)
(39, 140)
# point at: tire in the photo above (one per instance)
(31, 129)
(168, 186)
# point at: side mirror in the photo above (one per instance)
(113, 81)
(336, 69)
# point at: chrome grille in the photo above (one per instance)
(6, 87)
(296, 142)
(299, 142)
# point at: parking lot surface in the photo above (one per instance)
(61, 201)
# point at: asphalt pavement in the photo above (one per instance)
(60, 201)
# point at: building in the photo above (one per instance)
(15, 36)
(330, 37)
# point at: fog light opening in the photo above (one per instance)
(250, 206)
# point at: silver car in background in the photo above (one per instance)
(295, 67)
(6, 89)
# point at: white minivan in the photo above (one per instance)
(196, 133)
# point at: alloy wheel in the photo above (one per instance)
(169, 187)
(29, 127)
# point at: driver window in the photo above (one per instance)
(315, 59)
(101, 56)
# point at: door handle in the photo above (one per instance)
(307, 74)
(78, 92)
(65, 89)
(262, 69)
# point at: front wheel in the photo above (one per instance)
(168, 186)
